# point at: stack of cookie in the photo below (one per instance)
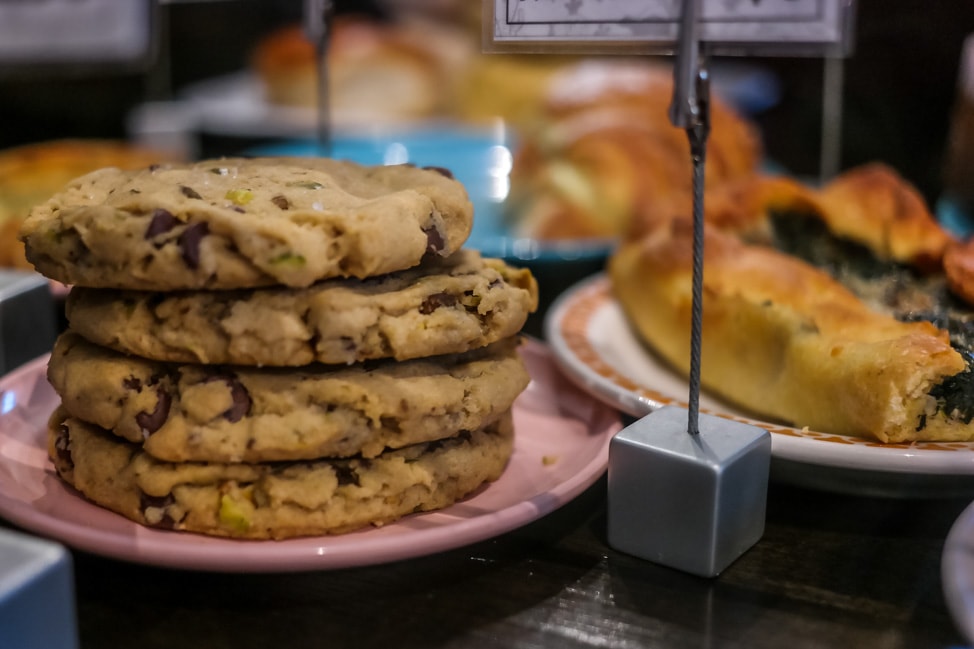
(268, 348)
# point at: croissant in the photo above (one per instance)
(606, 152)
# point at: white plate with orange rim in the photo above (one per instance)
(561, 448)
(595, 346)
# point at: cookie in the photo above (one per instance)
(240, 223)
(240, 414)
(443, 306)
(275, 500)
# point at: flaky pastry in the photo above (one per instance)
(830, 308)
(605, 151)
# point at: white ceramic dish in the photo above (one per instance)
(235, 104)
(594, 344)
(957, 572)
(561, 448)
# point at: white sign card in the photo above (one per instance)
(805, 27)
(75, 32)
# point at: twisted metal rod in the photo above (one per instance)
(697, 135)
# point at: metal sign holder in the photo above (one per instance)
(719, 468)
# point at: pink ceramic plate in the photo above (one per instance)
(593, 343)
(561, 448)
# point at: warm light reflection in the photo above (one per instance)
(8, 402)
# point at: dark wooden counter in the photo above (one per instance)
(830, 571)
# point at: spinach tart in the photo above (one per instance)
(843, 309)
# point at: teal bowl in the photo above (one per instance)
(479, 158)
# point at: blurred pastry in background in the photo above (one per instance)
(32, 173)
(959, 153)
(490, 86)
(379, 72)
(509, 87)
(603, 150)
(870, 206)
(462, 14)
